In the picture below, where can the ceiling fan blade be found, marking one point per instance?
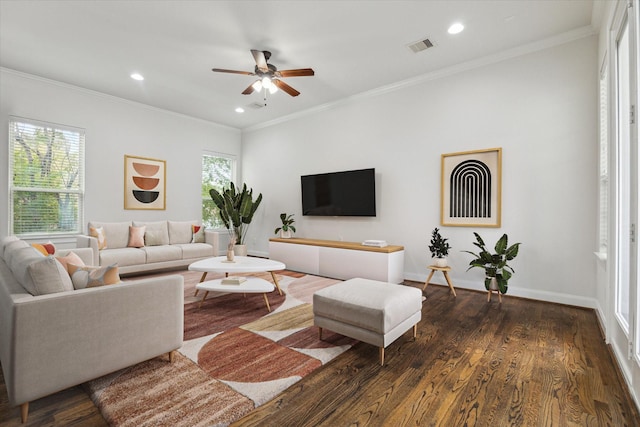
(300, 72)
(261, 61)
(222, 70)
(249, 90)
(285, 87)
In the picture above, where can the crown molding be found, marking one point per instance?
(570, 36)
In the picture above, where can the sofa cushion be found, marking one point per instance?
(123, 256)
(47, 276)
(45, 249)
(87, 276)
(180, 231)
(156, 233)
(18, 260)
(136, 237)
(6, 240)
(70, 258)
(162, 253)
(116, 233)
(11, 248)
(196, 250)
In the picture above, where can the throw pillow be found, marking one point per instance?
(136, 237)
(70, 258)
(45, 248)
(48, 277)
(89, 276)
(98, 233)
(198, 234)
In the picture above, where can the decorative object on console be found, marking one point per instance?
(287, 226)
(144, 183)
(376, 243)
(439, 248)
(497, 271)
(236, 209)
(471, 188)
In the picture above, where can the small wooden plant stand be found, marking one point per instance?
(489, 292)
(445, 272)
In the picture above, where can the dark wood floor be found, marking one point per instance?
(519, 363)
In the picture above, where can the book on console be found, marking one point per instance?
(376, 243)
(233, 280)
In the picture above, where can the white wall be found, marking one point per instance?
(115, 127)
(541, 108)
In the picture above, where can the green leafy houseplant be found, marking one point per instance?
(236, 209)
(287, 223)
(439, 247)
(495, 264)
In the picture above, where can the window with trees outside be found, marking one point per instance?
(218, 171)
(46, 178)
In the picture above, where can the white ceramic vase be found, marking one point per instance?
(285, 234)
(493, 286)
(440, 262)
(240, 250)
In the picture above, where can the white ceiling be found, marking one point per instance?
(353, 46)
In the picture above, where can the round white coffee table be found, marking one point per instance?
(240, 264)
(252, 285)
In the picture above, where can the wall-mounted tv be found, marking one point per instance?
(348, 193)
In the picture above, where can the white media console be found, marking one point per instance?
(339, 260)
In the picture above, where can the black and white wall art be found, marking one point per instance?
(471, 188)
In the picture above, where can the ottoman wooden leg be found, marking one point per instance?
(24, 412)
(381, 356)
(320, 334)
(415, 330)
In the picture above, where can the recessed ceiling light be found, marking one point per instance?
(137, 76)
(239, 110)
(455, 28)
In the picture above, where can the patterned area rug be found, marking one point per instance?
(236, 356)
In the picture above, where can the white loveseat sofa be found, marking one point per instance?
(53, 337)
(167, 244)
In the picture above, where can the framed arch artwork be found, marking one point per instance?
(471, 189)
(144, 183)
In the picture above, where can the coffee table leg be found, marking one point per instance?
(203, 298)
(275, 282)
(266, 300)
(204, 275)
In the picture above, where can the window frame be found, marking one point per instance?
(79, 191)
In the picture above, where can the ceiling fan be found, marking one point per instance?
(269, 75)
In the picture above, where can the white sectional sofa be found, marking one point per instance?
(53, 336)
(167, 244)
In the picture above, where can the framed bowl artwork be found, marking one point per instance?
(144, 183)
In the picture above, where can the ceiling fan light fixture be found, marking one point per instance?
(273, 89)
(257, 86)
(266, 83)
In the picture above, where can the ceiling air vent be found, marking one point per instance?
(256, 105)
(420, 46)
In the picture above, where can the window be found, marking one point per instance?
(46, 178)
(603, 235)
(218, 171)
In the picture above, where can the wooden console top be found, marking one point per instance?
(338, 244)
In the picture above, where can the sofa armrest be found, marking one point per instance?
(211, 237)
(83, 241)
(64, 339)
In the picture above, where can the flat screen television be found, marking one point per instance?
(347, 193)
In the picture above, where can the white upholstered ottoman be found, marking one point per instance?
(367, 310)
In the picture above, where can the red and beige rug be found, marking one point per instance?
(236, 356)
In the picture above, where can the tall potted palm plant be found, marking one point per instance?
(236, 209)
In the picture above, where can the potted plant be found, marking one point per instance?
(497, 271)
(236, 209)
(287, 226)
(439, 248)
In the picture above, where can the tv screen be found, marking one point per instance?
(348, 193)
